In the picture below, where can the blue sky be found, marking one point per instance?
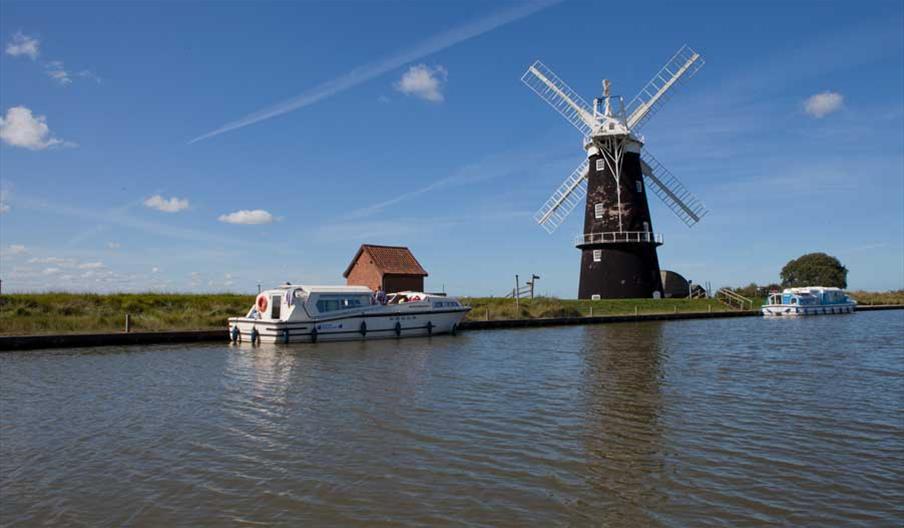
(406, 123)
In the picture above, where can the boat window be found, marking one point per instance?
(332, 303)
(276, 303)
(793, 300)
(445, 304)
(806, 298)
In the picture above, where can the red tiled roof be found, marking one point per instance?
(389, 259)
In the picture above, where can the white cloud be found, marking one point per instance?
(22, 129)
(173, 205)
(257, 216)
(424, 82)
(23, 45)
(823, 104)
(88, 74)
(57, 72)
(91, 265)
(17, 249)
(52, 271)
(52, 260)
(155, 269)
(113, 245)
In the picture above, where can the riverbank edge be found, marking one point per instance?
(35, 342)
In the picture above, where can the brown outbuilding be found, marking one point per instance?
(390, 268)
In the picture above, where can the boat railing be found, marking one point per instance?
(616, 237)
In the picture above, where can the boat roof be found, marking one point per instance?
(811, 289)
(314, 288)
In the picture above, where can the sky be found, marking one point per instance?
(215, 146)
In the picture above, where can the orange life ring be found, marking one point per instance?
(262, 303)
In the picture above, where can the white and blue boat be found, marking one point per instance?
(812, 300)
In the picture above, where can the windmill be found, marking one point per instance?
(618, 245)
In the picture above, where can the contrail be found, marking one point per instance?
(367, 72)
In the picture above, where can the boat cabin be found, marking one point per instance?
(810, 296)
(296, 302)
(300, 302)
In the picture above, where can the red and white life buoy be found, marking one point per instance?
(262, 303)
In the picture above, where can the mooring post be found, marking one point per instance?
(709, 308)
(591, 309)
(676, 310)
(517, 293)
(488, 313)
(128, 323)
(635, 310)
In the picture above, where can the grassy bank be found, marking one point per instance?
(498, 308)
(64, 313)
(869, 298)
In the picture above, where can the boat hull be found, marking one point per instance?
(357, 327)
(791, 310)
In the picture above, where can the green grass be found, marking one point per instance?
(540, 307)
(66, 313)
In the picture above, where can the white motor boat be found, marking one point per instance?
(296, 313)
(812, 300)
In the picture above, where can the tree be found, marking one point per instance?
(814, 269)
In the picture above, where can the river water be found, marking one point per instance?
(725, 422)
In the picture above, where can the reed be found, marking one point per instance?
(63, 313)
(869, 298)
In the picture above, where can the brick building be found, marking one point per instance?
(390, 268)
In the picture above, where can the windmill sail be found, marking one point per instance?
(564, 200)
(682, 66)
(671, 191)
(560, 96)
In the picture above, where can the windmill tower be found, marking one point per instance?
(618, 245)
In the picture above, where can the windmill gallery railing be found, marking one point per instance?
(615, 237)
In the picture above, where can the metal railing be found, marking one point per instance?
(734, 300)
(615, 237)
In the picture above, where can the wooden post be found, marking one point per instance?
(591, 309)
(635, 310)
(128, 323)
(676, 309)
(488, 313)
(709, 308)
(517, 293)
